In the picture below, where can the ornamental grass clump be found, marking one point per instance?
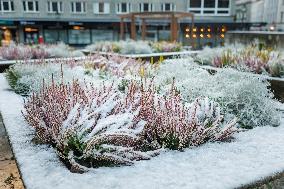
(100, 126)
(225, 59)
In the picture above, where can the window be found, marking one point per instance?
(210, 7)
(30, 6)
(282, 17)
(123, 8)
(78, 7)
(195, 3)
(168, 7)
(223, 3)
(54, 7)
(6, 6)
(101, 8)
(146, 7)
(209, 3)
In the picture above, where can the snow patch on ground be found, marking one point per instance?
(253, 155)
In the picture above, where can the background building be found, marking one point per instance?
(260, 14)
(88, 21)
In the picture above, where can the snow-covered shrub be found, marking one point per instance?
(177, 126)
(59, 50)
(253, 58)
(30, 75)
(135, 47)
(164, 46)
(26, 52)
(47, 110)
(240, 94)
(13, 77)
(16, 52)
(39, 52)
(225, 59)
(87, 125)
(276, 68)
(100, 126)
(104, 46)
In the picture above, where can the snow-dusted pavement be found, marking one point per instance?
(253, 155)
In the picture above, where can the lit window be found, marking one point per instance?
(54, 7)
(30, 6)
(101, 8)
(6, 5)
(78, 7)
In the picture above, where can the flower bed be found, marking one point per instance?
(112, 111)
(135, 47)
(253, 155)
(255, 58)
(26, 52)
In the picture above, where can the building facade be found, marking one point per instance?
(261, 14)
(88, 21)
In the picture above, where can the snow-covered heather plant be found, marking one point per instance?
(239, 94)
(89, 126)
(26, 52)
(164, 46)
(16, 52)
(177, 125)
(100, 126)
(46, 110)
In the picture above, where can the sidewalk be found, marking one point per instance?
(9, 174)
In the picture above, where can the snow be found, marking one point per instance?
(251, 156)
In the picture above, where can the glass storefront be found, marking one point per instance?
(79, 36)
(7, 35)
(55, 36)
(102, 35)
(31, 35)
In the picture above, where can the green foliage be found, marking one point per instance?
(22, 89)
(116, 48)
(123, 85)
(74, 144)
(170, 141)
(12, 77)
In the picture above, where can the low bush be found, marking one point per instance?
(240, 94)
(92, 127)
